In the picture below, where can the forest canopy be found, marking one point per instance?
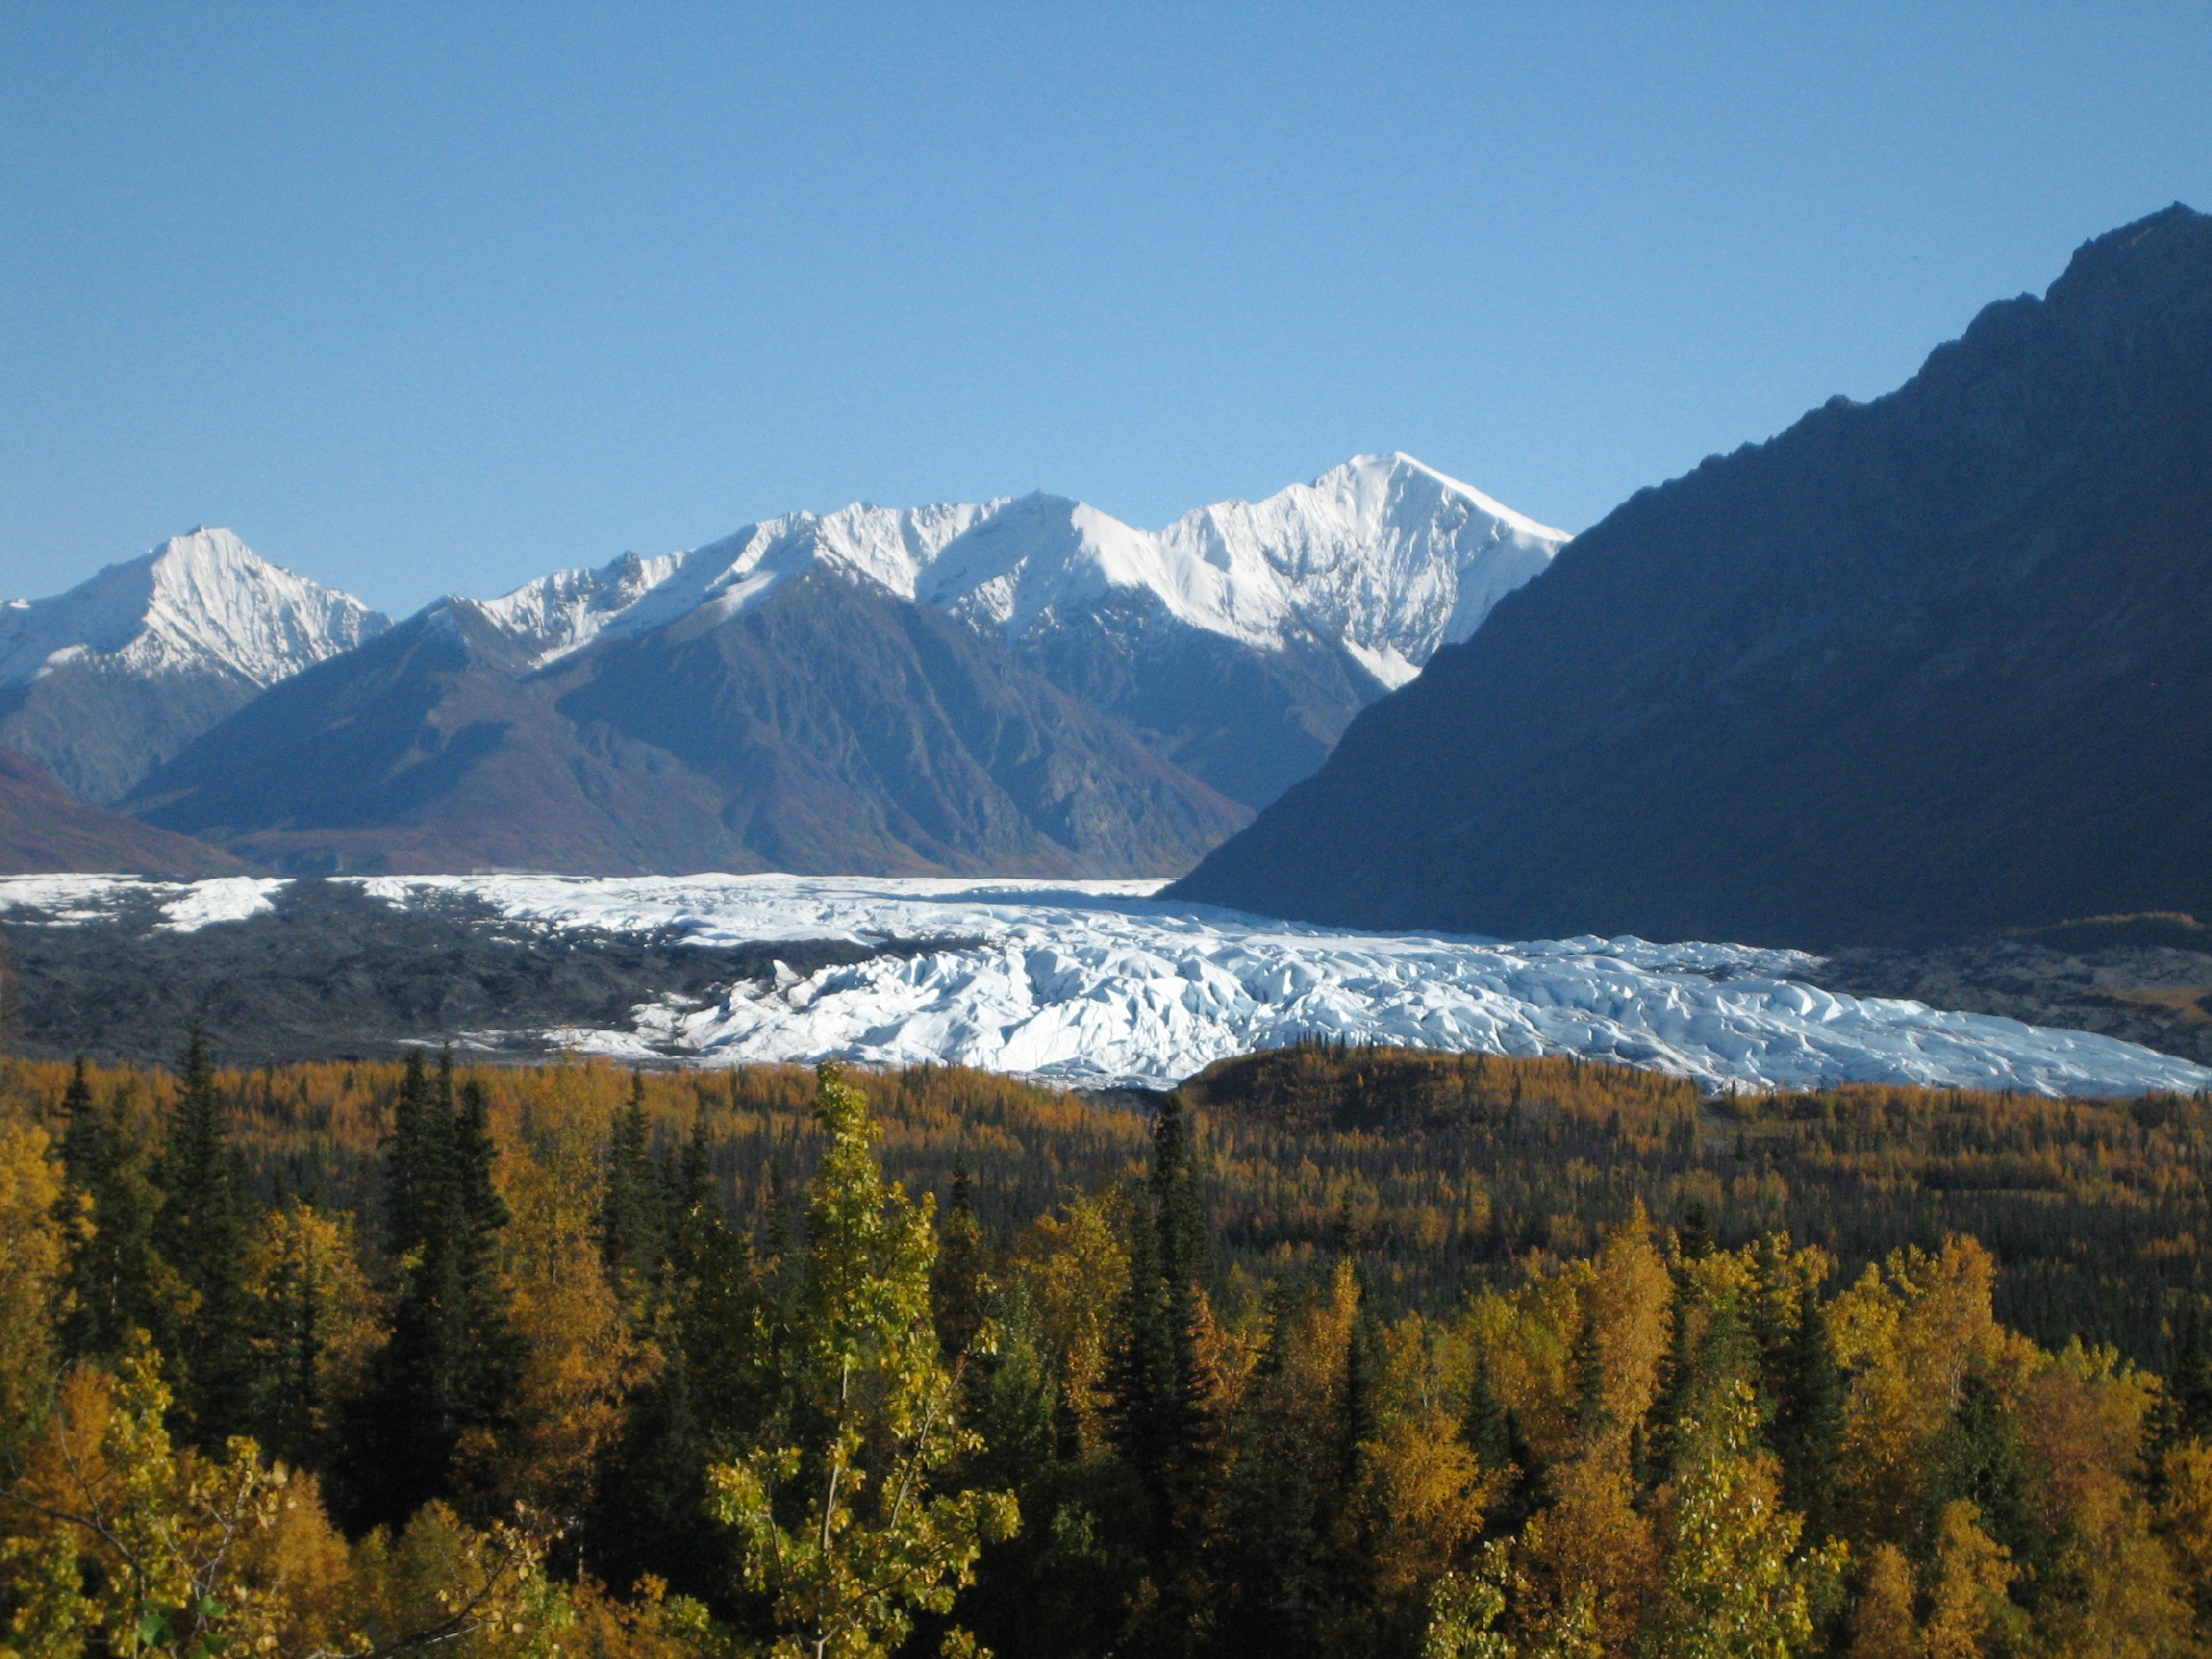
(1333, 1351)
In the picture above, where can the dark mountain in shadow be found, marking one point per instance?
(44, 830)
(828, 727)
(1250, 723)
(1937, 664)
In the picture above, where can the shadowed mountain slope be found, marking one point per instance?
(1934, 664)
(826, 727)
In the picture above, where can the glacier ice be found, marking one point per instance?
(1106, 983)
(1102, 982)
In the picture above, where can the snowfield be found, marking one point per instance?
(1100, 982)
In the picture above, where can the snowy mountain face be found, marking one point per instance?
(1384, 554)
(201, 603)
(104, 683)
(1239, 642)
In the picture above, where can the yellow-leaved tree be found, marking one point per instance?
(31, 1266)
(844, 1527)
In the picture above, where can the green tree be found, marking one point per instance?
(710, 1324)
(961, 1283)
(1809, 1428)
(118, 1282)
(632, 1225)
(1733, 1586)
(201, 1229)
(1271, 1558)
(1161, 1422)
(846, 1529)
(454, 1358)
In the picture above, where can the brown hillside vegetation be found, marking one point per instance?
(43, 829)
(1449, 1169)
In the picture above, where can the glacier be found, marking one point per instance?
(1105, 983)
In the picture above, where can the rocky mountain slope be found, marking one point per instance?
(43, 827)
(104, 683)
(827, 726)
(1239, 642)
(1931, 665)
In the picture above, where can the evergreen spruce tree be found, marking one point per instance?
(1982, 1458)
(1592, 1415)
(1161, 1418)
(961, 1281)
(632, 1228)
(118, 1282)
(454, 1357)
(1809, 1428)
(80, 1146)
(492, 1351)
(709, 1322)
(1695, 1236)
(1271, 1552)
(2189, 1375)
(202, 1232)
(1485, 1421)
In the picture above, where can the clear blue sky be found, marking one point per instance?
(431, 298)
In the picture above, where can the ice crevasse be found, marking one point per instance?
(1101, 982)
(1105, 983)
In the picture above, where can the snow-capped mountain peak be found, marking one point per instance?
(558, 615)
(1383, 555)
(200, 603)
(1390, 556)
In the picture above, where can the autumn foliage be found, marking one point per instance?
(1337, 1351)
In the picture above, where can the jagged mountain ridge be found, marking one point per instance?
(1019, 686)
(101, 683)
(1933, 665)
(1239, 642)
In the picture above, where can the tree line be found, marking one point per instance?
(1333, 1351)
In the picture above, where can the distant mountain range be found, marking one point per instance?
(104, 683)
(1238, 642)
(1934, 664)
(1023, 686)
